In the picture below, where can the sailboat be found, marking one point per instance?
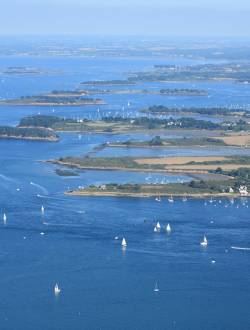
(158, 199)
(168, 228)
(57, 290)
(171, 200)
(184, 199)
(42, 209)
(4, 219)
(204, 242)
(156, 289)
(155, 229)
(158, 226)
(124, 243)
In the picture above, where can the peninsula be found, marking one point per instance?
(234, 186)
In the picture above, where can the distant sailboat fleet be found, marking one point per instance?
(157, 229)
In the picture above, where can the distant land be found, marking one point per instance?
(108, 82)
(22, 70)
(167, 92)
(235, 72)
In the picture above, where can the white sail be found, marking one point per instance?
(168, 228)
(4, 218)
(42, 209)
(156, 289)
(124, 243)
(155, 229)
(204, 242)
(57, 290)
(158, 226)
(171, 200)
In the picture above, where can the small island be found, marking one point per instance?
(67, 173)
(115, 82)
(52, 100)
(167, 92)
(22, 70)
(28, 133)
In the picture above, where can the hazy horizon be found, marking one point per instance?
(135, 18)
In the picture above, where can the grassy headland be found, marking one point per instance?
(195, 188)
(206, 164)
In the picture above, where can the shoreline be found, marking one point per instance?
(51, 104)
(149, 195)
(12, 137)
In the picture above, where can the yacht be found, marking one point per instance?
(204, 242)
(124, 243)
(170, 199)
(57, 290)
(156, 289)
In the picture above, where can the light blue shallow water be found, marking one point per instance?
(103, 286)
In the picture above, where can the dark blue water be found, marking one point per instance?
(104, 286)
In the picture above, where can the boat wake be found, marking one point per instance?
(240, 248)
(43, 189)
(6, 178)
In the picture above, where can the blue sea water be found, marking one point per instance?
(104, 286)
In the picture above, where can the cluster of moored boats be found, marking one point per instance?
(170, 199)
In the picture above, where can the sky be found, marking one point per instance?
(201, 18)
